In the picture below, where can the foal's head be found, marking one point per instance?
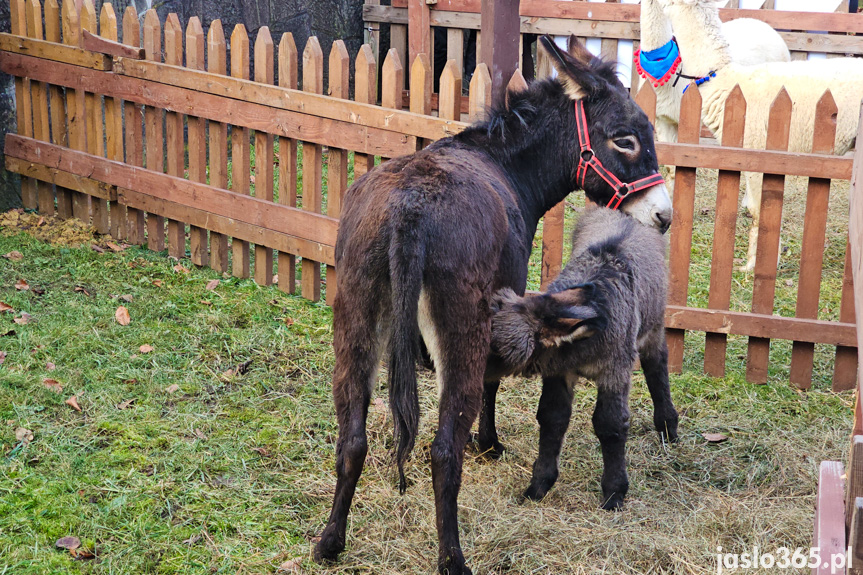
(620, 138)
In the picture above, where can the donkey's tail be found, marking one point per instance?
(407, 262)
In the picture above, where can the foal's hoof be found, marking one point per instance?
(491, 449)
(453, 565)
(330, 545)
(538, 489)
(668, 437)
(614, 502)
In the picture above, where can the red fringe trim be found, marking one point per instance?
(655, 81)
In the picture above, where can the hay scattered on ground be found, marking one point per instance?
(71, 233)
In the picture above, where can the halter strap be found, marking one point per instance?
(588, 160)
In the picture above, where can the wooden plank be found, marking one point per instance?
(450, 92)
(500, 25)
(23, 104)
(392, 79)
(812, 249)
(113, 121)
(50, 175)
(174, 140)
(59, 133)
(829, 517)
(398, 41)
(845, 365)
(855, 232)
(241, 170)
(264, 73)
(724, 227)
(241, 207)
(552, 244)
(95, 123)
(455, 48)
(854, 473)
(75, 111)
(366, 92)
(680, 242)
(769, 225)
(197, 134)
(288, 77)
(646, 100)
(480, 94)
(313, 81)
(855, 539)
(39, 102)
(109, 47)
(337, 159)
(134, 135)
(46, 50)
(421, 82)
(153, 128)
(218, 140)
(760, 325)
(223, 225)
(419, 31)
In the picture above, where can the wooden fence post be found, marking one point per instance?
(812, 248)
(133, 114)
(313, 81)
(153, 128)
(113, 124)
(23, 103)
(419, 30)
(176, 158)
(846, 363)
(724, 227)
(479, 100)
(241, 170)
(767, 252)
(500, 23)
(392, 80)
(39, 101)
(680, 243)
(646, 100)
(337, 173)
(449, 102)
(288, 77)
(95, 124)
(75, 106)
(197, 129)
(218, 139)
(59, 135)
(421, 83)
(264, 74)
(366, 92)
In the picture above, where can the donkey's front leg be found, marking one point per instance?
(611, 425)
(553, 414)
(654, 362)
(487, 438)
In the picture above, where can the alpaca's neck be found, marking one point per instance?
(698, 29)
(655, 26)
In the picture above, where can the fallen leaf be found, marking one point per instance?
(130, 381)
(146, 348)
(738, 260)
(192, 540)
(242, 368)
(127, 298)
(82, 554)
(14, 256)
(80, 289)
(41, 221)
(73, 403)
(262, 451)
(292, 566)
(789, 283)
(212, 284)
(714, 437)
(122, 316)
(114, 247)
(50, 366)
(2, 357)
(68, 542)
(157, 283)
(38, 290)
(125, 404)
(172, 388)
(228, 372)
(200, 434)
(206, 302)
(98, 250)
(5, 307)
(288, 320)
(53, 385)
(24, 319)
(180, 269)
(22, 285)
(276, 279)
(252, 179)
(24, 435)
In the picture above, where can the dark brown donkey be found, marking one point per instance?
(425, 240)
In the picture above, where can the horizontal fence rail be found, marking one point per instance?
(165, 141)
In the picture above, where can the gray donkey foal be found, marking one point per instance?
(606, 308)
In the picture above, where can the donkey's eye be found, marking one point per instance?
(627, 143)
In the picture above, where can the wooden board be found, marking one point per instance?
(829, 536)
(313, 81)
(288, 78)
(337, 158)
(55, 52)
(264, 73)
(197, 135)
(174, 134)
(153, 131)
(240, 150)
(134, 135)
(218, 140)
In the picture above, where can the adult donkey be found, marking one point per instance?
(426, 239)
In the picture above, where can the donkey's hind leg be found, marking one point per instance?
(357, 350)
(487, 438)
(611, 425)
(654, 362)
(553, 415)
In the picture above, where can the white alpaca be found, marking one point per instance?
(751, 42)
(705, 50)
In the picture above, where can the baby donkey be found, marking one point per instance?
(606, 308)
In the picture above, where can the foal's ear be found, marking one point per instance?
(569, 316)
(573, 67)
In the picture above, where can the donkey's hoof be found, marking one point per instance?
(453, 565)
(537, 490)
(491, 449)
(613, 502)
(330, 545)
(668, 437)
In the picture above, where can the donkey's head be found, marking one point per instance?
(612, 139)
(523, 327)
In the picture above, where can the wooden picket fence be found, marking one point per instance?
(136, 137)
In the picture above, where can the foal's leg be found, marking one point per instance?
(611, 425)
(654, 362)
(553, 414)
(357, 352)
(464, 328)
(487, 431)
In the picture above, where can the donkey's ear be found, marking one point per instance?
(578, 50)
(569, 315)
(574, 73)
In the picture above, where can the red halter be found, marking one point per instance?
(588, 159)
